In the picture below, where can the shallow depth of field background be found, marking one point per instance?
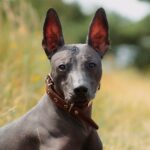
(121, 107)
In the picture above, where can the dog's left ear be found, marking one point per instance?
(52, 33)
(98, 37)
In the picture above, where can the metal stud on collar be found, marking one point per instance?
(76, 112)
(66, 106)
(55, 99)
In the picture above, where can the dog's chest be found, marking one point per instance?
(62, 143)
(61, 132)
(69, 141)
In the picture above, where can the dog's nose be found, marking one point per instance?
(81, 90)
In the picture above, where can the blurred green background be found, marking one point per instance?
(121, 107)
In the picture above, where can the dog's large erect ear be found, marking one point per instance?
(98, 37)
(52, 33)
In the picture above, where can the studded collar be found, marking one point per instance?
(73, 110)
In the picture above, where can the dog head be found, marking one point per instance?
(76, 68)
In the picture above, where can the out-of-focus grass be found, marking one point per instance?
(23, 68)
(121, 107)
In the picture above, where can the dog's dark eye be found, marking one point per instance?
(92, 65)
(62, 67)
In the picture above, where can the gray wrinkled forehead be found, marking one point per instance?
(77, 51)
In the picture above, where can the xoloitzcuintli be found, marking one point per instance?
(76, 72)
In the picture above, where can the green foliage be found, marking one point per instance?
(145, 0)
(27, 17)
(123, 31)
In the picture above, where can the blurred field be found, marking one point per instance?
(121, 108)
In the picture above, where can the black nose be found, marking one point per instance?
(81, 90)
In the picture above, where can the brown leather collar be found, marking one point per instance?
(74, 110)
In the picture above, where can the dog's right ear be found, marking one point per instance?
(52, 33)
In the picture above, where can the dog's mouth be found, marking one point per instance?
(81, 102)
(79, 99)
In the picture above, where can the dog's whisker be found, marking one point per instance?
(90, 103)
(71, 105)
(38, 134)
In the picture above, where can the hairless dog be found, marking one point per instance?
(62, 118)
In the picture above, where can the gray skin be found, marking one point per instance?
(76, 72)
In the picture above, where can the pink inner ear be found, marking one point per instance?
(98, 35)
(52, 28)
(98, 28)
(52, 34)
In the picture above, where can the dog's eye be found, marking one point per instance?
(62, 67)
(92, 65)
